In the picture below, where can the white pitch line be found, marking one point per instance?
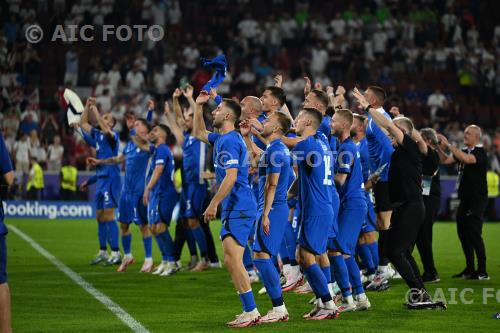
(118, 311)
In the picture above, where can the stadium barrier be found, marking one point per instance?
(51, 198)
(49, 209)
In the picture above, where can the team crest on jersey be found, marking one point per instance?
(138, 149)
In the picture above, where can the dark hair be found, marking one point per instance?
(145, 123)
(234, 107)
(278, 93)
(315, 114)
(284, 121)
(322, 96)
(379, 92)
(330, 111)
(165, 129)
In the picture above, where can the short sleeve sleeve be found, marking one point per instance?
(345, 159)
(212, 137)
(275, 161)
(228, 156)
(162, 155)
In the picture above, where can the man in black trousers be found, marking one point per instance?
(431, 193)
(405, 191)
(473, 195)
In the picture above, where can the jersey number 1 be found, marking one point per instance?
(328, 170)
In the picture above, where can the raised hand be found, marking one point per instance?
(166, 109)
(329, 90)
(443, 141)
(188, 91)
(213, 93)
(245, 128)
(361, 99)
(278, 80)
(307, 88)
(90, 102)
(340, 91)
(151, 105)
(202, 98)
(177, 93)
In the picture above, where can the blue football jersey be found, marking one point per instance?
(366, 162)
(161, 155)
(194, 154)
(106, 148)
(348, 162)
(230, 152)
(314, 160)
(276, 159)
(136, 164)
(324, 127)
(379, 146)
(5, 167)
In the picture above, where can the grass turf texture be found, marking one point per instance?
(46, 300)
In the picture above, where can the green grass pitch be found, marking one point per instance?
(46, 300)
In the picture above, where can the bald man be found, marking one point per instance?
(473, 195)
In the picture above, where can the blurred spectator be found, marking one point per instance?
(436, 101)
(69, 179)
(55, 154)
(50, 128)
(71, 74)
(22, 154)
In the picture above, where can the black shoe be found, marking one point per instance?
(430, 278)
(465, 274)
(426, 306)
(419, 299)
(479, 276)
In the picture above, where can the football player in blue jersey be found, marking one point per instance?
(313, 160)
(239, 208)
(352, 213)
(7, 174)
(131, 208)
(367, 245)
(108, 181)
(380, 151)
(274, 179)
(194, 187)
(160, 195)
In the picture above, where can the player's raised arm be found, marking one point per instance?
(105, 128)
(84, 119)
(379, 118)
(177, 106)
(422, 146)
(142, 143)
(172, 124)
(199, 129)
(255, 152)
